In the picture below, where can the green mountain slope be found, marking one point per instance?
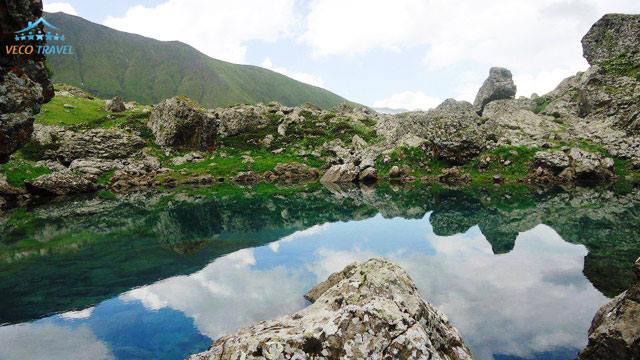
(108, 62)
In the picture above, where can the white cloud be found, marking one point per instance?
(300, 76)
(49, 341)
(532, 38)
(53, 7)
(219, 28)
(409, 100)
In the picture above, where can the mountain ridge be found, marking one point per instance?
(109, 62)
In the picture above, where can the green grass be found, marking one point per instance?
(621, 66)
(541, 104)
(89, 113)
(18, 170)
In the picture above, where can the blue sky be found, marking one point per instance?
(408, 54)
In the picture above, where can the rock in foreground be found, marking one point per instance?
(367, 311)
(615, 330)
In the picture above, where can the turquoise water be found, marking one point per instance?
(148, 277)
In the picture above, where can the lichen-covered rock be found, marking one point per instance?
(613, 38)
(66, 146)
(368, 175)
(575, 165)
(342, 173)
(615, 329)
(24, 82)
(115, 105)
(178, 123)
(513, 122)
(238, 119)
(246, 178)
(61, 183)
(370, 310)
(499, 85)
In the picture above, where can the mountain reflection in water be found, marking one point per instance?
(160, 276)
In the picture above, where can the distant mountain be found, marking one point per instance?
(108, 62)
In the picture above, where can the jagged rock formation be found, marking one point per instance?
(615, 330)
(613, 38)
(24, 83)
(573, 165)
(177, 123)
(368, 310)
(499, 85)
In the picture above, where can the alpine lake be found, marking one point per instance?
(162, 274)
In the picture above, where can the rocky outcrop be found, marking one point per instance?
(368, 310)
(236, 120)
(342, 173)
(57, 143)
(294, 171)
(115, 105)
(499, 85)
(613, 38)
(61, 183)
(24, 83)
(573, 165)
(178, 123)
(615, 330)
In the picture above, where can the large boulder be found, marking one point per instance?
(499, 85)
(115, 105)
(370, 310)
(615, 329)
(179, 123)
(61, 183)
(613, 38)
(57, 143)
(24, 81)
(342, 173)
(575, 165)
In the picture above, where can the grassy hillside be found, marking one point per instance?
(108, 62)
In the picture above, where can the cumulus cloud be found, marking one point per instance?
(219, 28)
(64, 7)
(300, 76)
(538, 40)
(408, 100)
(48, 341)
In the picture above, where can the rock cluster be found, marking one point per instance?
(24, 83)
(615, 330)
(573, 165)
(368, 310)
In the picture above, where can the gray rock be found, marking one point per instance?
(499, 85)
(370, 310)
(397, 172)
(556, 161)
(115, 105)
(178, 123)
(588, 167)
(236, 120)
(615, 329)
(66, 145)
(187, 158)
(343, 173)
(368, 175)
(613, 38)
(246, 178)
(295, 171)
(61, 183)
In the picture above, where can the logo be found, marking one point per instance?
(39, 38)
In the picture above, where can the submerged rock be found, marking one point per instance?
(615, 330)
(368, 310)
(499, 85)
(613, 38)
(178, 123)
